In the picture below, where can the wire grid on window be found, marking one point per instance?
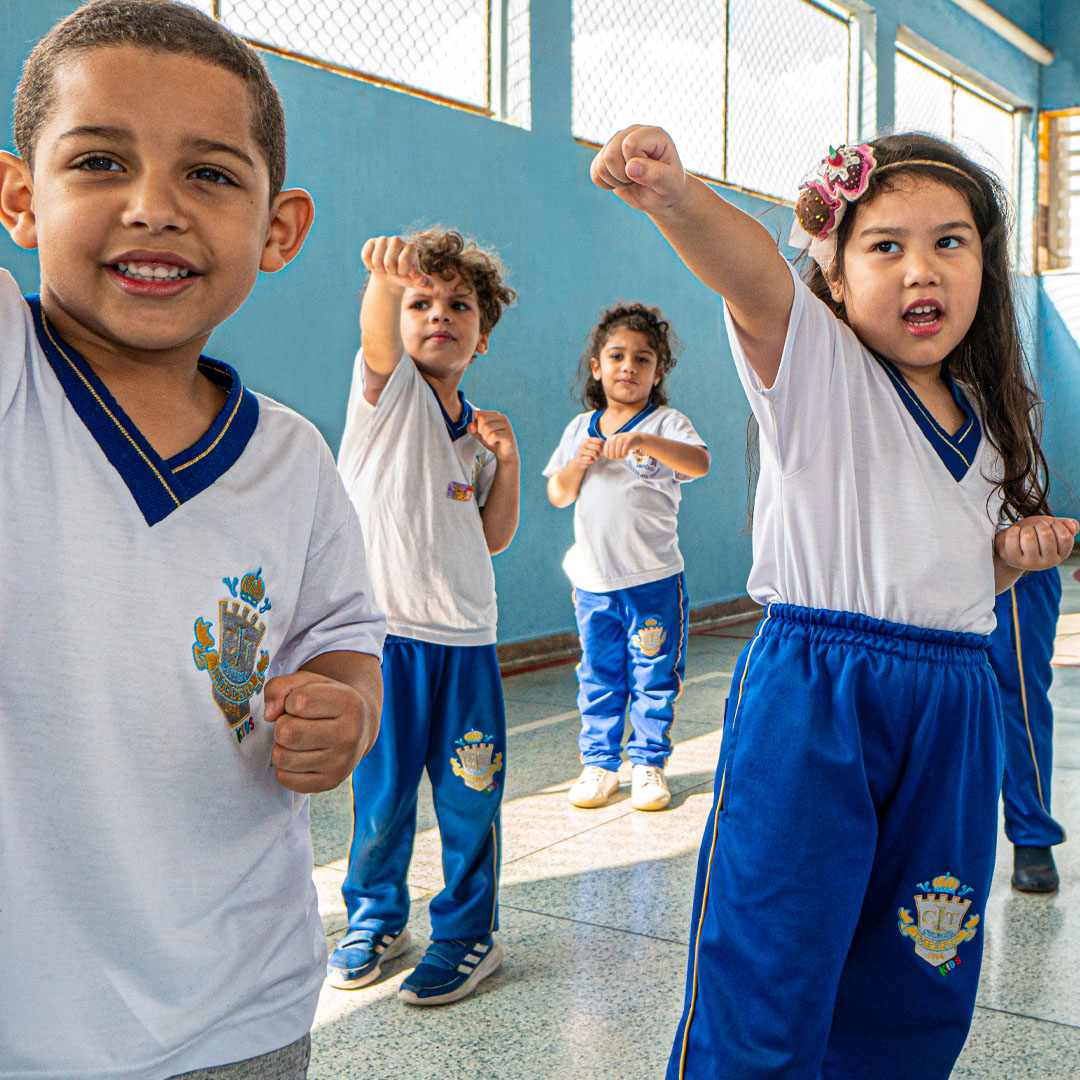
(1061, 240)
(933, 101)
(437, 46)
(752, 91)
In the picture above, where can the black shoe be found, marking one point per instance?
(1034, 870)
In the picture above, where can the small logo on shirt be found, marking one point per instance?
(940, 925)
(474, 763)
(237, 669)
(646, 467)
(459, 492)
(650, 636)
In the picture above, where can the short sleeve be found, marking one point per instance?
(792, 413)
(571, 440)
(335, 609)
(15, 331)
(677, 427)
(486, 477)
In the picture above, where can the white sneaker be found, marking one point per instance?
(648, 788)
(594, 787)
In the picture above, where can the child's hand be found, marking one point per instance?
(642, 167)
(495, 434)
(321, 730)
(394, 261)
(588, 452)
(1036, 543)
(618, 446)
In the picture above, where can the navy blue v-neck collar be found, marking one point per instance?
(594, 421)
(158, 486)
(957, 452)
(455, 428)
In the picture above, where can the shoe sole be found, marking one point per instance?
(395, 948)
(1037, 888)
(592, 804)
(655, 804)
(486, 966)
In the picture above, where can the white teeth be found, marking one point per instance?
(145, 272)
(923, 310)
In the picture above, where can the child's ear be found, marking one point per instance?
(594, 368)
(482, 344)
(291, 215)
(835, 280)
(17, 200)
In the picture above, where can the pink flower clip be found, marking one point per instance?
(839, 179)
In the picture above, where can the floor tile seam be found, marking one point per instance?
(599, 825)
(1028, 1016)
(595, 925)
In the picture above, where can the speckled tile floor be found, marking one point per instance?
(595, 911)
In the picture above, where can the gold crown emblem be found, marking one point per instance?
(946, 883)
(252, 587)
(473, 736)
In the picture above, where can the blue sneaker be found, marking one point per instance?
(355, 962)
(451, 970)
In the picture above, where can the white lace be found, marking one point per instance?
(594, 774)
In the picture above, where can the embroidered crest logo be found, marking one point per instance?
(645, 466)
(474, 763)
(650, 636)
(237, 669)
(939, 927)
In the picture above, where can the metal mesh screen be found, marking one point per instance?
(1059, 239)
(933, 101)
(438, 47)
(724, 78)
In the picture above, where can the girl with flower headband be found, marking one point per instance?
(845, 865)
(622, 464)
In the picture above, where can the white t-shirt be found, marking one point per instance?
(157, 912)
(626, 513)
(864, 504)
(418, 493)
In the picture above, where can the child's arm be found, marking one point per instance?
(1034, 543)
(726, 249)
(563, 487)
(500, 510)
(691, 461)
(394, 266)
(325, 717)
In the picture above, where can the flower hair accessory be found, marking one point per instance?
(823, 199)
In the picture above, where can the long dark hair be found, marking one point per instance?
(649, 321)
(990, 361)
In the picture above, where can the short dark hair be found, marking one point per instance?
(446, 254)
(160, 26)
(646, 320)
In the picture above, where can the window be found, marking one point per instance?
(725, 77)
(1059, 191)
(470, 53)
(930, 98)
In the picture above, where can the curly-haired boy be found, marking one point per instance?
(435, 482)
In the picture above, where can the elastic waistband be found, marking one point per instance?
(850, 628)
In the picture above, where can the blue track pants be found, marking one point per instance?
(442, 710)
(1020, 651)
(845, 867)
(633, 649)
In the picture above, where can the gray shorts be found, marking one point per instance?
(288, 1063)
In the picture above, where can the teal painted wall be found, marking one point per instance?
(380, 161)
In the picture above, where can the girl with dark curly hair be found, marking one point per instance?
(621, 464)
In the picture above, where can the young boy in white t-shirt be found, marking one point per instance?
(190, 643)
(435, 482)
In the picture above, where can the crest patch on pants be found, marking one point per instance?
(940, 925)
(474, 762)
(650, 636)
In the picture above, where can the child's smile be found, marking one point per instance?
(912, 274)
